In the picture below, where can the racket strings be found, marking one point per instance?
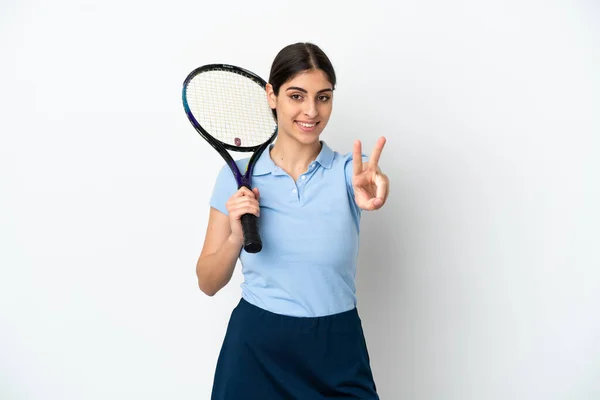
(231, 108)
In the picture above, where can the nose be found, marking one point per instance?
(310, 109)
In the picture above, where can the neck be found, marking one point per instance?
(293, 157)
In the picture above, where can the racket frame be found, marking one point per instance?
(252, 242)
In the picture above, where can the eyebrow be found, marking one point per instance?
(304, 90)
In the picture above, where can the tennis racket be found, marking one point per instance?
(228, 107)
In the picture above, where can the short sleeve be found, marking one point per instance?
(225, 187)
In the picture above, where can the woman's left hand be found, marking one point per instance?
(371, 186)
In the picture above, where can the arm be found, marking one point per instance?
(219, 254)
(224, 240)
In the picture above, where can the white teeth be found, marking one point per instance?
(306, 125)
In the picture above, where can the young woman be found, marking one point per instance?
(295, 333)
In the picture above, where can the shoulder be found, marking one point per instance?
(225, 185)
(225, 180)
(344, 161)
(225, 172)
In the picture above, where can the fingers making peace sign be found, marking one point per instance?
(371, 186)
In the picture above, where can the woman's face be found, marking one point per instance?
(303, 106)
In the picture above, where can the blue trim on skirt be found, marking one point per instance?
(268, 356)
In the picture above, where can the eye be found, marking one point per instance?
(296, 96)
(324, 98)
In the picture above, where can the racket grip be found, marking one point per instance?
(252, 242)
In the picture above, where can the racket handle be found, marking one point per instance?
(252, 242)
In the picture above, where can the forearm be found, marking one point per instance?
(214, 270)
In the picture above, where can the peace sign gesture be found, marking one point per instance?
(371, 186)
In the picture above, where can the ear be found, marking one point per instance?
(271, 97)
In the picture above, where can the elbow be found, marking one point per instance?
(209, 280)
(204, 283)
(208, 290)
(209, 293)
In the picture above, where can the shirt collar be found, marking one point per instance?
(265, 165)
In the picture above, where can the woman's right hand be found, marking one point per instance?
(244, 201)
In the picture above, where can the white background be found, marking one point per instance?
(479, 279)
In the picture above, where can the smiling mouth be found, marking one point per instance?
(306, 124)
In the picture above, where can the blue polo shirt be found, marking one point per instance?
(310, 234)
